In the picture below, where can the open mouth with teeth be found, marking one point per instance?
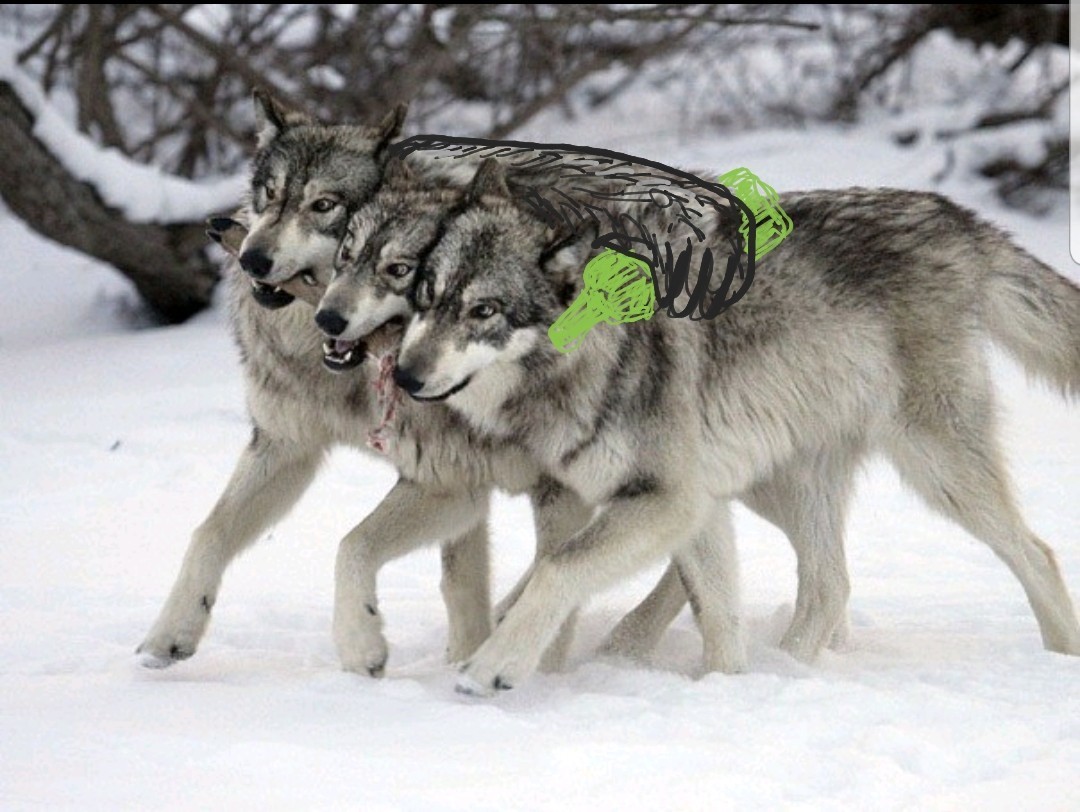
(274, 298)
(340, 354)
(270, 297)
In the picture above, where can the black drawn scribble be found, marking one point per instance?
(670, 219)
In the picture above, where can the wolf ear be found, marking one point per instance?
(271, 119)
(397, 173)
(226, 232)
(490, 179)
(345, 253)
(562, 261)
(390, 127)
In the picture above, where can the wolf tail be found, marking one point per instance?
(1034, 313)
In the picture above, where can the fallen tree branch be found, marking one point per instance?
(168, 264)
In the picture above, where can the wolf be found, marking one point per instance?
(372, 285)
(307, 179)
(832, 354)
(374, 272)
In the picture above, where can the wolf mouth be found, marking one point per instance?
(270, 297)
(340, 354)
(274, 298)
(453, 390)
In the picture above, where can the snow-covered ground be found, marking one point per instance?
(114, 443)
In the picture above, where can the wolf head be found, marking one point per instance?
(488, 291)
(307, 179)
(229, 233)
(375, 269)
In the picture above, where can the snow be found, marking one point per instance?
(143, 193)
(115, 442)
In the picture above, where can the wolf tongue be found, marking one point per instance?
(342, 346)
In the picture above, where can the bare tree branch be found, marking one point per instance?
(62, 18)
(225, 56)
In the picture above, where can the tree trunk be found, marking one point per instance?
(168, 264)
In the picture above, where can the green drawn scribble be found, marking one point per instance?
(618, 290)
(773, 223)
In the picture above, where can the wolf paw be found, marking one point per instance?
(162, 655)
(176, 634)
(371, 663)
(362, 651)
(802, 645)
(471, 687)
(486, 675)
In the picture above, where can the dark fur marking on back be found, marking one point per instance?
(655, 382)
(607, 405)
(636, 487)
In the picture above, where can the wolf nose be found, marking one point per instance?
(405, 379)
(331, 322)
(256, 262)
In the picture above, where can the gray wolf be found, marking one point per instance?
(376, 268)
(864, 332)
(691, 276)
(306, 181)
(375, 273)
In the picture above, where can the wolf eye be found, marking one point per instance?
(323, 205)
(484, 310)
(398, 269)
(270, 193)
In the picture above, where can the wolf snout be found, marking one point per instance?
(255, 262)
(406, 380)
(331, 322)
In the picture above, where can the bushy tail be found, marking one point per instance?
(1034, 313)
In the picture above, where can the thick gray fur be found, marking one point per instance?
(864, 332)
(299, 411)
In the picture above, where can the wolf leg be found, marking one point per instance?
(631, 533)
(709, 571)
(269, 478)
(808, 499)
(950, 457)
(639, 632)
(407, 518)
(466, 576)
(558, 513)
